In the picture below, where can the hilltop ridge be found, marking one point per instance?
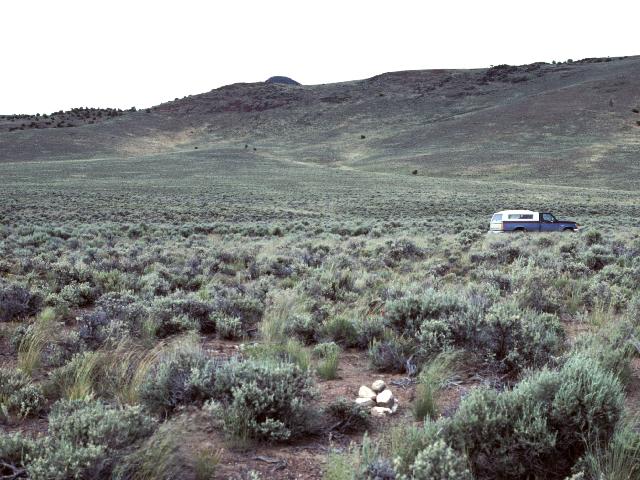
(567, 123)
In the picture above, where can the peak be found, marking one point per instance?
(282, 80)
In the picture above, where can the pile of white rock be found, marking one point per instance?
(379, 398)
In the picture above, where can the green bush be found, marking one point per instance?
(86, 440)
(183, 309)
(264, 400)
(369, 329)
(434, 337)
(438, 461)
(302, 326)
(78, 294)
(592, 237)
(407, 441)
(610, 346)
(179, 377)
(117, 316)
(326, 349)
(597, 257)
(228, 328)
(19, 398)
(547, 419)
(14, 452)
(247, 305)
(391, 354)
(535, 291)
(503, 436)
(586, 406)
(342, 330)
(406, 314)
(84, 422)
(518, 339)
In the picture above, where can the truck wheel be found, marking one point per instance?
(571, 230)
(520, 230)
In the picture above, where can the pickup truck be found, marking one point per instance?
(528, 221)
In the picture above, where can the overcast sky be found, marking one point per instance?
(58, 54)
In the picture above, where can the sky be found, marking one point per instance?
(71, 53)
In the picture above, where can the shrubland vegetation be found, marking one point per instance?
(112, 291)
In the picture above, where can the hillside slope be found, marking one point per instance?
(569, 124)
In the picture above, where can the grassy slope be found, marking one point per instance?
(557, 124)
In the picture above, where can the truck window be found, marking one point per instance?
(520, 216)
(547, 217)
(496, 217)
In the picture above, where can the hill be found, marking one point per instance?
(561, 124)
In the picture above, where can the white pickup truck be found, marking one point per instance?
(528, 221)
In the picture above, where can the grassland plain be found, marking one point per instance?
(156, 270)
(172, 312)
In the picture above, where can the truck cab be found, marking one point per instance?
(529, 221)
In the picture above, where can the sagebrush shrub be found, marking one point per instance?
(78, 294)
(438, 461)
(228, 328)
(193, 312)
(391, 354)
(83, 422)
(611, 347)
(17, 302)
(86, 440)
(434, 337)
(519, 338)
(368, 329)
(592, 237)
(116, 316)
(547, 419)
(326, 349)
(14, 452)
(246, 304)
(342, 330)
(179, 377)
(265, 399)
(586, 406)
(402, 249)
(302, 326)
(407, 314)
(597, 257)
(19, 397)
(536, 292)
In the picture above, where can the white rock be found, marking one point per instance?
(378, 386)
(394, 409)
(385, 398)
(366, 392)
(365, 402)
(380, 411)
